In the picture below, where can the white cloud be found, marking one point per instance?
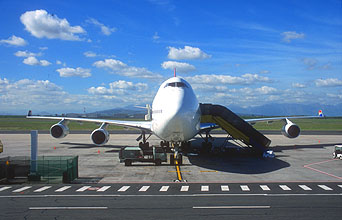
(180, 67)
(104, 29)
(26, 54)
(310, 63)
(288, 36)
(226, 79)
(42, 24)
(266, 90)
(298, 85)
(188, 53)
(89, 54)
(120, 87)
(14, 41)
(120, 68)
(42, 95)
(156, 36)
(70, 72)
(33, 61)
(330, 82)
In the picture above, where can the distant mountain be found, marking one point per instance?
(128, 111)
(277, 109)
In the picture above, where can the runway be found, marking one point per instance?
(177, 200)
(302, 182)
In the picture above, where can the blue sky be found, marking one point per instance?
(62, 56)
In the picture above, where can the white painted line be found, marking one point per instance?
(4, 188)
(265, 187)
(204, 188)
(103, 188)
(305, 187)
(42, 189)
(224, 188)
(244, 188)
(284, 187)
(164, 188)
(21, 189)
(55, 208)
(184, 188)
(231, 207)
(82, 189)
(123, 189)
(325, 187)
(144, 188)
(62, 189)
(340, 186)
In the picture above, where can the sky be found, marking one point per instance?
(67, 56)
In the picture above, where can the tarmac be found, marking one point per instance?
(307, 158)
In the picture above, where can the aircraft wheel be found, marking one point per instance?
(128, 162)
(172, 159)
(180, 159)
(158, 162)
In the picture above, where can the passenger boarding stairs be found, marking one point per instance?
(235, 126)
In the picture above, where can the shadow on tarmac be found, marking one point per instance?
(298, 147)
(233, 159)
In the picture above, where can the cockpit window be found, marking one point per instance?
(176, 84)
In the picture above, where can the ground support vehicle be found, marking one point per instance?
(156, 155)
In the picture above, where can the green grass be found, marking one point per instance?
(320, 124)
(20, 123)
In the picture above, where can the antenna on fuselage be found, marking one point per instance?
(174, 74)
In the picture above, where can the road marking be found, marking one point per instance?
(103, 188)
(325, 187)
(204, 188)
(244, 188)
(284, 187)
(124, 189)
(42, 189)
(164, 188)
(55, 208)
(82, 189)
(184, 188)
(231, 207)
(144, 188)
(340, 186)
(305, 187)
(265, 187)
(21, 189)
(320, 171)
(224, 188)
(4, 188)
(62, 189)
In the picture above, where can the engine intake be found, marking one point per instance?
(290, 129)
(59, 130)
(100, 136)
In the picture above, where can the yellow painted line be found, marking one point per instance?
(179, 175)
(182, 171)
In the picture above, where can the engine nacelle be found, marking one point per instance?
(99, 136)
(59, 130)
(290, 129)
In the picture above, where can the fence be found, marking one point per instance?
(52, 169)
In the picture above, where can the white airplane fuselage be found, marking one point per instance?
(175, 111)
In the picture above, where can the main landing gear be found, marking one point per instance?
(206, 144)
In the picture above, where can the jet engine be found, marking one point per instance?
(100, 136)
(59, 130)
(290, 129)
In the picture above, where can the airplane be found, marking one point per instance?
(175, 118)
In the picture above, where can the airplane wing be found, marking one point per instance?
(254, 120)
(210, 126)
(142, 125)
